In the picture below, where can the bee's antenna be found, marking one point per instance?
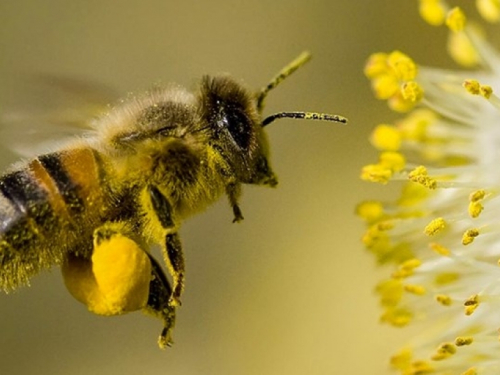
(305, 116)
(285, 72)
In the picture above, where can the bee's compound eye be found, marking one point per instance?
(238, 125)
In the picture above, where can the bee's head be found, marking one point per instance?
(233, 116)
(229, 113)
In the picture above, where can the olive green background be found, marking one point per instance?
(289, 290)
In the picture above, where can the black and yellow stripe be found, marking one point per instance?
(46, 209)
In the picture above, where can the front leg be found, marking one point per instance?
(171, 248)
(233, 191)
(158, 304)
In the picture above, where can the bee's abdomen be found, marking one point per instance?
(44, 210)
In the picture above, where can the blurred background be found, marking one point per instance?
(289, 290)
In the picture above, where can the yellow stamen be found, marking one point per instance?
(407, 268)
(376, 173)
(432, 11)
(470, 371)
(412, 194)
(472, 86)
(471, 304)
(475, 88)
(444, 299)
(399, 104)
(477, 195)
(486, 91)
(440, 249)
(419, 175)
(402, 360)
(489, 9)
(411, 263)
(455, 19)
(397, 317)
(435, 226)
(392, 160)
(469, 236)
(464, 340)
(419, 290)
(412, 91)
(444, 351)
(390, 291)
(385, 86)
(402, 65)
(462, 50)
(414, 126)
(376, 65)
(420, 368)
(475, 209)
(446, 278)
(370, 211)
(375, 238)
(386, 137)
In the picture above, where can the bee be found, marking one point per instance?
(97, 206)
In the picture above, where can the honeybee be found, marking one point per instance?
(97, 206)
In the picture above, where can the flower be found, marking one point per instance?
(442, 235)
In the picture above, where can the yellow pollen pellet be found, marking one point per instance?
(386, 137)
(444, 299)
(455, 19)
(489, 9)
(419, 175)
(432, 11)
(435, 226)
(471, 304)
(403, 66)
(464, 340)
(418, 290)
(412, 91)
(469, 236)
(440, 249)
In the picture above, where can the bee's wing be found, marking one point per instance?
(53, 110)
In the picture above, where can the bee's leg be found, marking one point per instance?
(117, 237)
(172, 248)
(158, 304)
(233, 191)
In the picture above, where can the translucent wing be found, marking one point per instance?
(53, 110)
